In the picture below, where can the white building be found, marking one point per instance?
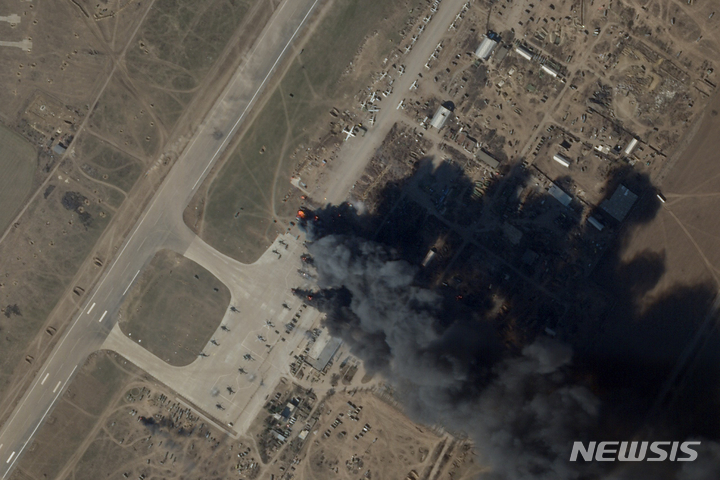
(428, 258)
(561, 160)
(602, 149)
(524, 52)
(486, 48)
(550, 71)
(440, 117)
(595, 223)
(631, 146)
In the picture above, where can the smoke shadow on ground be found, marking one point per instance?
(450, 294)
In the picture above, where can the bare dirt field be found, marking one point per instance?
(353, 434)
(39, 259)
(111, 53)
(174, 308)
(176, 47)
(116, 422)
(173, 51)
(243, 206)
(18, 161)
(672, 262)
(686, 232)
(108, 165)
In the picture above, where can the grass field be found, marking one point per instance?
(174, 308)
(256, 176)
(17, 165)
(126, 120)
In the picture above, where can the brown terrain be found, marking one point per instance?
(111, 92)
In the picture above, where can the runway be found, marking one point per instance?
(160, 226)
(263, 286)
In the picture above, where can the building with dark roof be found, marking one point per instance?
(620, 203)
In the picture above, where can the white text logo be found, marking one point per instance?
(634, 451)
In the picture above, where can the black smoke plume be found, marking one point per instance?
(448, 371)
(445, 348)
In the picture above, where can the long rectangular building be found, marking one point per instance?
(487, 159)
(595, 223)
(561, 160)
(549, 70)
(631, 146)
(559, 195)
(524, 52)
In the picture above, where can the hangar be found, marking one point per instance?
(440, 117)
(487, 159)
(524, 52)
(620, 203)
(487, 46)
(562, 160)
(327, 353)
(559, 195)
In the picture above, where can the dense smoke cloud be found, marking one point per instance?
(457, 357)
(522, 412)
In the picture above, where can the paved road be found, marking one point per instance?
(160, 226)
(361, 150)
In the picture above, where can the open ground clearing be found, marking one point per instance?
(67, 60)
(38, 260)
(52, 90)
(115, 420)
(106, 164)
(174, 308)
(166, 66)
(176, 47)
(240, 209)
(18, 161)
(685, 232)
(126, 120)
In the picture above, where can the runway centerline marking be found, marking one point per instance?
(11, 457)
(57, 386)
(46, 377)
(102, 316)
(131, 282)
(90, 309)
